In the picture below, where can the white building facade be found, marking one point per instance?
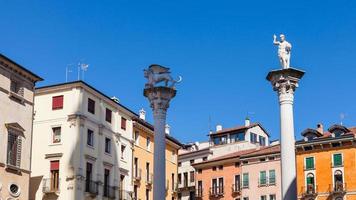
(82, 145)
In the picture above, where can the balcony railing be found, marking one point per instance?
(338, 188)
(109, 192)
(50, 185)
(310, 191)
(236, 189)
(149, 179)
(137, 174)
(92, 187)
(217, 191)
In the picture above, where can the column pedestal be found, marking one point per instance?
(285, 82)
(159, 98)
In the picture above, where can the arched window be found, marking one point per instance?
(338, 177)
(310, 183)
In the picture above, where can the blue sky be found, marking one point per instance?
(223, 50)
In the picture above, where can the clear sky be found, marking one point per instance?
(223, 50)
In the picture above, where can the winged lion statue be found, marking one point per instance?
(157, 74)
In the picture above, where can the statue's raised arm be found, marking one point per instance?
(284, 50)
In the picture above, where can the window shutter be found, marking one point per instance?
(18, 151)
(337, 159)
(123, 123)
(57, 102)
(55, 165)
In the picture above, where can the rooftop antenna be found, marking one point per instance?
(82, 67)
(342, 117)
(249, 114)
(209, 124)
(68, 70)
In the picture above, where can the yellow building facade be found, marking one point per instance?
(326, 164)
(143, 162)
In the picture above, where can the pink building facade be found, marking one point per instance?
(261, 174)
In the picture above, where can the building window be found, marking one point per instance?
(245, 180)
(263, 178)
(217, 186)
(123, 123)
(56, 134)
(310, 184)
(192, 176)
(89, 172)
(54, 175)
(272, 197)
(338, 181)
(148, 143)
(107, 145)
(179, 178)
(91, 106)
(16, 88)
(191, 162)
(123, 147)
(173, 182)
(147, 194)
(214, 168)
(200, 189)
(137, 135)
(14, 146)
(221, 167)
(237, 164)
(309, 163)
(272, 177)
(205, 158)
(200, 171)
(235, 137)
(253, 138)
(236, 186)
(245, 198)
(220, 140)
(262, 140)
(57, 102)
(90, 138)
(106, 182)
(263, 197)
(337, 160)
(179, 164)
(108, 115)
(185, 176)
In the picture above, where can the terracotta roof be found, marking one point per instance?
(264, 151)
(227, 156)
(351, 129)
(238, 128)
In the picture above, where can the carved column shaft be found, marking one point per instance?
(159, 98)
(284, 82)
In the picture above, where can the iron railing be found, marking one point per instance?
(216, 191)
(310, 191)
(92, 187)
(236, 188)
(109, 192)
(50, 185)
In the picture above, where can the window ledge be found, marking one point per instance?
(17, 97)
(55, 144)
(90, 147)
(13, 168)
(108, 154)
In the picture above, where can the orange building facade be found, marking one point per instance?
(326, 164)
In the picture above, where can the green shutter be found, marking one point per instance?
(245, 180)
(337, 159)
(272, 176)
(262, 177)
(310, 163)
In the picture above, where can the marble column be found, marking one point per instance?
(159, 98)
(285, 82)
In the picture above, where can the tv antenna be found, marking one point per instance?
(68, 70)
(342, 117)
(82, 67)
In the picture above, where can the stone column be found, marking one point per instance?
(285, 82)
(159, 98)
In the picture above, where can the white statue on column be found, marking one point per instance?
(284, 50)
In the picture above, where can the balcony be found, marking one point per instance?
(175, 189)
(50, 186)
(310, 191)
(236, 189)
(199, 194)
(92, 187)
(339, 189)
(149, 180)
(109, 192)
(216, 192)
(137, 175)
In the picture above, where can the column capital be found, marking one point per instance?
(285, 81)
(159, 97)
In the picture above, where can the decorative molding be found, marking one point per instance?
(53, 155)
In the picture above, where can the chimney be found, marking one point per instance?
(142, 114)
(247, 121)
(167, 129)
(320, 128)
(218, 127)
